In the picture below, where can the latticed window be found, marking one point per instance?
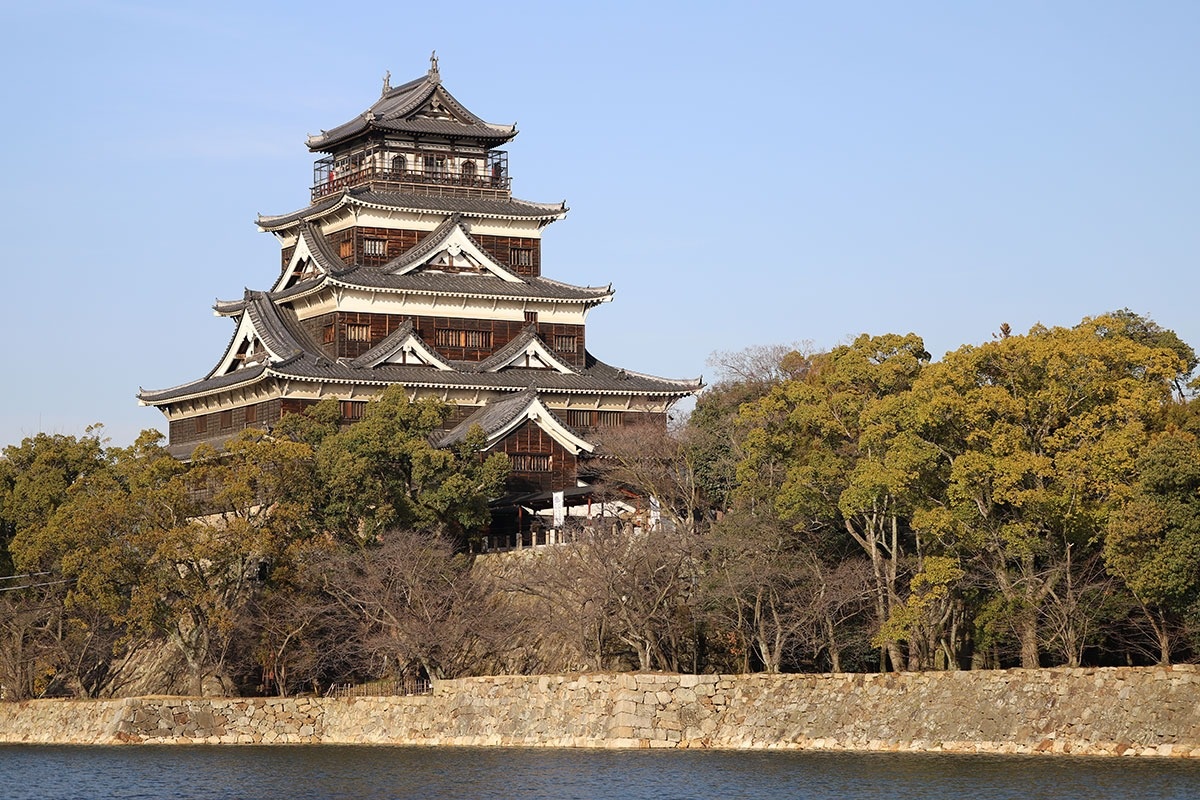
(374, 247)
(579, 419)
(520, 257)
(358, 333)
(453, 337)
(530, 462)
(608, 419)
(353, 409)
(566, 342)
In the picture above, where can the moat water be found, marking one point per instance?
(398, 773)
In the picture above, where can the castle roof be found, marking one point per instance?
(365, 197)
(421, 107)
(499, 418)
(288, 352)
(416, 272)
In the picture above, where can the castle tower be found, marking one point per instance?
(414, 265)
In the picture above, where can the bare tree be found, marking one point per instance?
(768, 586)
(420, 606)
(620, 597)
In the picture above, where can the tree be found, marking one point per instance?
(655, 462)
(767, 584)
(712, 433)
(619, 597)
(1036, 437)
(1153, 541)
(69, 534)
(420, 606)
(810, 453)
(35, 477)
(383, 472)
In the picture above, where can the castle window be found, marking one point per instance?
(530, 317)
(251, 413)
(579, 419)
(530, 462)
(375, 247)
(201, 425)
(566, 343)
(352, 409)
(346, 249)
(468, 170)
(358, 333)
(226, 420)
(520, 257)
(399, 164)
(452, 337)
(327, 334)
(434, 165)
(608, 419)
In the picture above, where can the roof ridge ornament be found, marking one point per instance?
(434, 75)
(387, 84)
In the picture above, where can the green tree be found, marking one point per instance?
(1037, 437)
(90, 546)
(35, 477)
(812, 451)
(1153, 541)
(383, 472)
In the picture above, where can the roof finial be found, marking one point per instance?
(433, 67)
(387, 81)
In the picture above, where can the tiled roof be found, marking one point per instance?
(152, 397)
(321, 249)
(490, 418)
(426, 246)
(396, 111)
(391, 343)
(501, 416)
(514, 348)
(430, 282)
(470, 285)
(506, 207)
(595, 378)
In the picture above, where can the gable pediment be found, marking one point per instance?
(303, 265)
(436, 107)
(536, 413)
(246, 349)
(530, 354)
(454, 253)
(405, 348)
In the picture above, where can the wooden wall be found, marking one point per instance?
(398, 242)
(502, 332)
(530, 440)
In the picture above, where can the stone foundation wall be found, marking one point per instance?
(1133, 711)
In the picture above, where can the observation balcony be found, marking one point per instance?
(439, 175)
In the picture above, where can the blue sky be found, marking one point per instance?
(744, 173)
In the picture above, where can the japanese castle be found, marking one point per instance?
(413, 264)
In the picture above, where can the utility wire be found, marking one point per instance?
(22, 575)
(35, 585)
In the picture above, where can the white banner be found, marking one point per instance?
(560, 511)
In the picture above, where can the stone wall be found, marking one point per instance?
(1133, 711)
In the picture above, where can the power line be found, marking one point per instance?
(35, 585)
(22, 575)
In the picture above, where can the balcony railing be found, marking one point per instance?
(444, 184)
